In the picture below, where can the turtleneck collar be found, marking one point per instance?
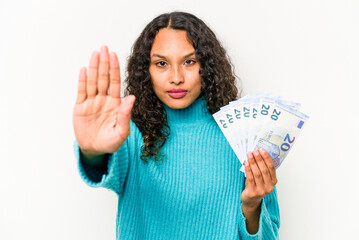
(195, 112)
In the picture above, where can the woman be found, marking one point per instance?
(160, 149)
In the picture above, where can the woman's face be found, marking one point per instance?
(174, 69)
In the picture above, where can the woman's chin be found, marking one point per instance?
(178, 103)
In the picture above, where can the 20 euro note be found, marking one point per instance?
(279, 134)
(268, 110)
(225, 126)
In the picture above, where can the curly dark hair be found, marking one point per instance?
(217, 84)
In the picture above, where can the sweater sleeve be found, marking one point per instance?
(111, 176)
(269, 220)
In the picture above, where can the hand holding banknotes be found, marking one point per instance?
(261, 129)
(261, 179)
(101, 121)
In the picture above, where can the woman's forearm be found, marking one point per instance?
(252, 215)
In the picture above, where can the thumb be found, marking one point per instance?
(124, 111)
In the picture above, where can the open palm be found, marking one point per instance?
(101, 121)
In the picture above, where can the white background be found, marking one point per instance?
(306, 51)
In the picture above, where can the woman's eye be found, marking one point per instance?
(190, 62)
(161, 64)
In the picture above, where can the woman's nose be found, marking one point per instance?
(176, 75)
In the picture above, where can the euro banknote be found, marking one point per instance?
(261, 121)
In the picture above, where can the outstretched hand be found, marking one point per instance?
(101, 120)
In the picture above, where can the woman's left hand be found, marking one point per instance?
(261, 179)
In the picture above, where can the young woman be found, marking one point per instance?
(161, 150)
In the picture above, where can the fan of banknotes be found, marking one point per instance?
(261, 121)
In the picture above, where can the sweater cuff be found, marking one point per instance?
(92, 176)
(111, 176)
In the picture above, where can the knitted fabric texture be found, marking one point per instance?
(194, 193)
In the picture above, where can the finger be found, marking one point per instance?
(263, 168)
(258, 178)
(250, 178)
(81, 91)
(92, 75)
(270, 165)
(115, 77)
(124, 111)
(103, 78)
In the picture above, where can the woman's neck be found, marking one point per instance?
(195, 112)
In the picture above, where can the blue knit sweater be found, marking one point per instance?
(193, 194)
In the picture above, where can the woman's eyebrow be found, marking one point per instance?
(189, 55)
(163, 57)
(157, 55)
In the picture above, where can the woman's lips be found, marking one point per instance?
(177, 93)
